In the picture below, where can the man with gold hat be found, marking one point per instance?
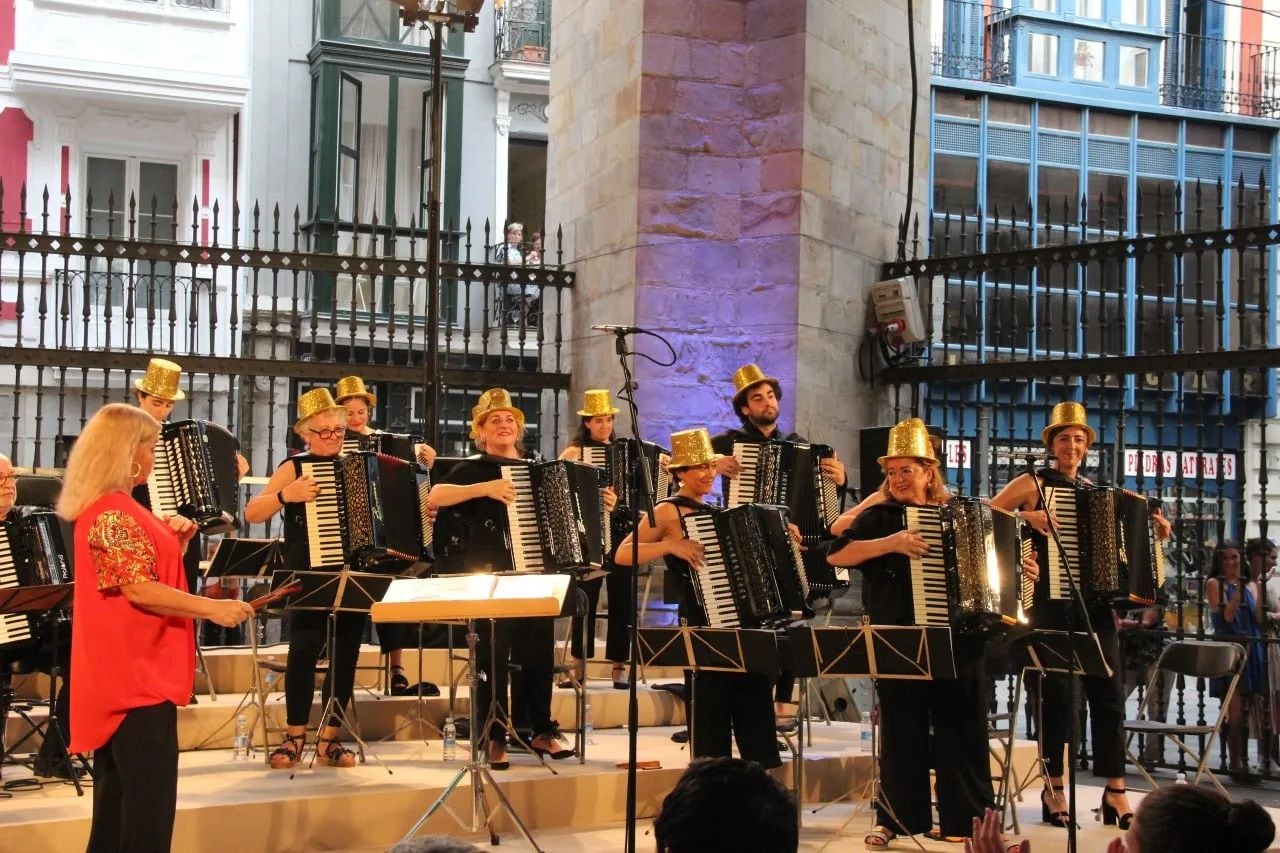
(724, 706)
(1068, 437)
(321, 425)
(756, 401)
(470, 535)
(596, 430)
(880, 545)
(359, 402)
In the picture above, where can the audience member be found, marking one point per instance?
(727, 804)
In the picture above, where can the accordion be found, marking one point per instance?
(971, 577)
(1109, 539)
(788, 473)
(752, 574)
(621, 460)
(32, 553)
(370, 508)
(387, 443)
(556, 522)
(195, 475)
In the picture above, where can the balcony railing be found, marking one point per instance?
(1220, 75)
(974, 42)
(522, 30)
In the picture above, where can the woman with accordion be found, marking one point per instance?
(321, 424)
(471, 535)
(879, 543)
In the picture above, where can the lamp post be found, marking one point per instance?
(440, 16)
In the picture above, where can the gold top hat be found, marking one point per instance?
(1065, 415)
(161, 380)
(353, 386)
(909, 438)
(747, 376)
(493, 400)
(317, 401)
(691, 447)
(596, 402)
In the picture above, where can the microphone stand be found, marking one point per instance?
(639, 487)
(1073, 730)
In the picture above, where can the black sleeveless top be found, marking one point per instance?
(688, 609)
(297, 558)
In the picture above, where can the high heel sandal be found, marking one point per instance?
(550, 741)
(287, 752)
(576, 675)
(1052, 818)
(399, 682)
(621, 678)
(335, 754)
(878, 838)
(497, 754)
(1109, 814)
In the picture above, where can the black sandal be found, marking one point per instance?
(1109, 814)
(399, 683)
(335, 754)
(555, 754)
(1059, 818)
(289, 752)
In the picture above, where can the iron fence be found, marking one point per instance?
(259, 306)
(522, 30)
(1161, 322)
(1220, 75)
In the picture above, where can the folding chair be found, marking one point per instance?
(1193, 659)
(1002, 727)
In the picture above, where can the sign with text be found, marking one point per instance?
(1172, 464)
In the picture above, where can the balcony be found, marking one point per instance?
(975, 42)
(522, 31)
(1219, 75)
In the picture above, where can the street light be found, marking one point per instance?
(439, 15)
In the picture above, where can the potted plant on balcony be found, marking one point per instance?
(533, 53)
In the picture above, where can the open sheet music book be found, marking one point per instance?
(472, 597)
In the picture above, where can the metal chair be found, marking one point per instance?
(1002, 727)
(1189, 659)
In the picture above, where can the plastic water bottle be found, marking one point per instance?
(269, 677)
(864, 733)
(589, 729)
(240, 741)
(1182, 778)
(449, 741)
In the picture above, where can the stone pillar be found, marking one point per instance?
(730, 173)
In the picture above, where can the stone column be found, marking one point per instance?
(730, 173)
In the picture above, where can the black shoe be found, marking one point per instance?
(681, 736)
(399, 684)
(192, 700)
(1110, 816)
(57, 770)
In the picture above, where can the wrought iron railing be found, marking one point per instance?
(974, 42)
(255, 311)
(522, 30)
(1220, 75)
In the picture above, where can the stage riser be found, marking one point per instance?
(232, 670)
(211, 724)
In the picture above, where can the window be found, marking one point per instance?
(1133, 12)
(1089, 8)
(957, 104)
(110, 184)
(1044, 5)
(1133, 66)
(1044, 54)
(1088, 61)
(955, 183)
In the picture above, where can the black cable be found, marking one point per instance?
(911, 138)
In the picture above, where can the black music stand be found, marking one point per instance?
(246, 558)
(343, 591)
(417, 716)
(734, 650)
(32, 600)
(897, 652)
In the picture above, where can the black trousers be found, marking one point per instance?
(308, 631)
(135, 783)
(957, 711)
(737, 705)
(617, 638)
(1106, 714)
(530, 644)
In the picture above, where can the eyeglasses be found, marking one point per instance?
(326, 434)
(8, 479)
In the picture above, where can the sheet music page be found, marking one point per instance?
(532, 586)
(454, 588)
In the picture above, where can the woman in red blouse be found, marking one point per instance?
(133, 650)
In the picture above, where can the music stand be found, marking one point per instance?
(416, 715)
(342, 591)
(466, 598)
(29, 601)
(246, 558)
(896, 652)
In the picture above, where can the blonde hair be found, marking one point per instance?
(102, 459)
(519, 442)
(935, 493)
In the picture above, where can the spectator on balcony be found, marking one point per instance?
(521, 295)
(510, 251)
(534, 256)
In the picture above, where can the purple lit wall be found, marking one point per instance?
(718, 258)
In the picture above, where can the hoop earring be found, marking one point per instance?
(137, 469)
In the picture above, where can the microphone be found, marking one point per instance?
(617, 330)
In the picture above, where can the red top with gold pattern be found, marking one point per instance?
(123, 656)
